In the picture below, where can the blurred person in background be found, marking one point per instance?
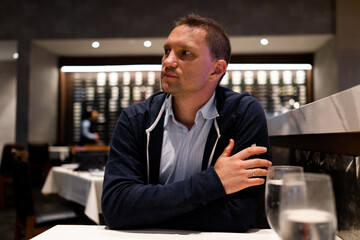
(88, 127)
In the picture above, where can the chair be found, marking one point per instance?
(90, 156)
(6, 169)
(33, 217)
(39, 161)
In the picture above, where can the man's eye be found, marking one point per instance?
(166, 51)
(186, 53)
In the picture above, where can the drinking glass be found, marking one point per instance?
(307, 207)
(272, 192)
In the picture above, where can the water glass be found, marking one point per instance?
(272, 192)
(307, 207)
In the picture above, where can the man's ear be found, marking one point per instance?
(219, 70)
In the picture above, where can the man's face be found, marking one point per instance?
(94, 116)
(186, 64)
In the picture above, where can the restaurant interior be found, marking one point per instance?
(61, 58)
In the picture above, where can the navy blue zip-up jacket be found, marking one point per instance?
(132, 196)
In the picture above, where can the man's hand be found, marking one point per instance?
(237, 173)
(96, 137)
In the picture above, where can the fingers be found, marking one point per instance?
(257, 172)
(250, 151)
(255, 181)
(254, 177)
(256, 163)
(228, 149)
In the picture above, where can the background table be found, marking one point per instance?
(76, 232)
(81, 187)
(59, 153)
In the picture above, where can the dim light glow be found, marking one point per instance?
(147, 43)
(264, 42)
(157, 67)
(15, 55)
(269, 66)
(113, 68)
(95, 44)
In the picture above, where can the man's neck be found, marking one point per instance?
(185, 109)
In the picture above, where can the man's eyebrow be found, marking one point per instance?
(167, 45)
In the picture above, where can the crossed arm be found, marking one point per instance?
(221, 198)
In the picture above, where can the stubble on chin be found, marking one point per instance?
(167, 89)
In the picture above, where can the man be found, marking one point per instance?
(177, 160)
(88, 134)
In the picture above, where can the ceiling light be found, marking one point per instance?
(95, 44)
(15, 55)
(147, 43)
(264, 41)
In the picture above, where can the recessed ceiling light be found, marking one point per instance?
(95, 44)
(15, 55)
(264, 41)
(147, 43)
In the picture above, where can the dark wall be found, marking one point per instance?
(348, 43)
(139, 18)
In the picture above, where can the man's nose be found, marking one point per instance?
(170, 60)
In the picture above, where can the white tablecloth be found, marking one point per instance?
(81, 187)
(78, 232)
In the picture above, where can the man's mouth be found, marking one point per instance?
(169, 75)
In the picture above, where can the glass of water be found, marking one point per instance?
(272, 192)
(307, 207)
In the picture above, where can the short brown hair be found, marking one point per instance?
(216, 38)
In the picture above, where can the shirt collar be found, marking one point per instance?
(208, 111)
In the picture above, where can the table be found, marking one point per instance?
(84, 188)
(59, 153)
(77, 232)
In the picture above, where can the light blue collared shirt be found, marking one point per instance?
(183, 149)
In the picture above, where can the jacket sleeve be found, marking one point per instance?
(199, 203)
